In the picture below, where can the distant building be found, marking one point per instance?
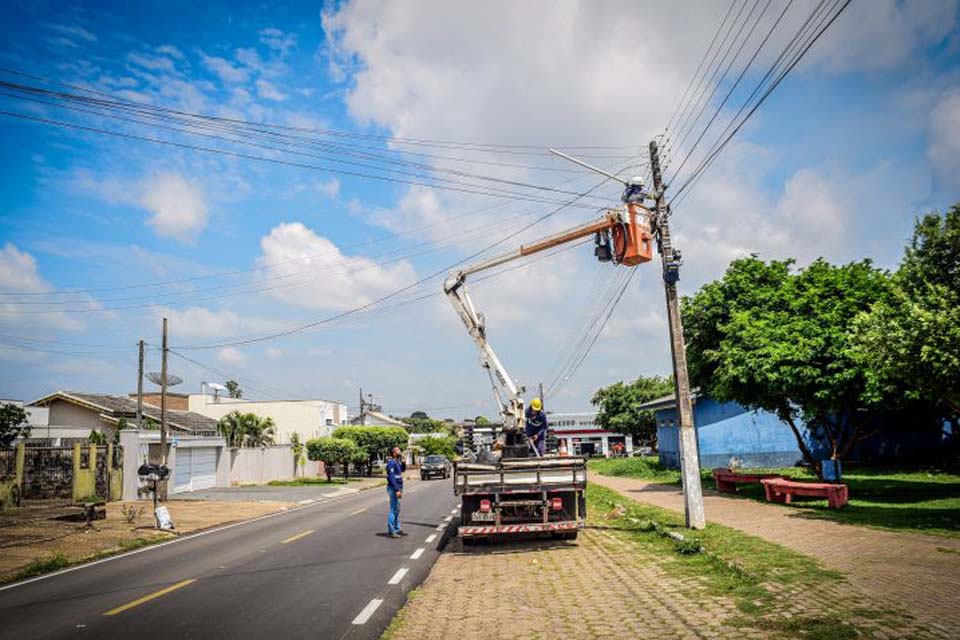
(308, 418)
(583, 436)
(376, 419)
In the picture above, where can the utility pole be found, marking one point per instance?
(689, 456)
(140, 389)
(163, 397)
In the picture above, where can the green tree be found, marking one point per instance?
(619, 406)
(297, 449)
(439, 446)
(784, 343)
(332, 451)
(911, 341)
(97, 437)
(233, 388)
(481, 421)
(231, 428)
(13, 424)
(419, 415)
(376, 442)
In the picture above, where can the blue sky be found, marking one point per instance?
(102, 236)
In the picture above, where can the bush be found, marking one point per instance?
(375, 442)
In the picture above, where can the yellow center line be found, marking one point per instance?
(296, 537)
(353, 513)
(147, 598)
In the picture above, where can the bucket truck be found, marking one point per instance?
(513, 490)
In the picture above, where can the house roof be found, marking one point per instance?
(668, 402)
(378, 417)
(122, 407)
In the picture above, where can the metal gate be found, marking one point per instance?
(48, 473)
(102, 474)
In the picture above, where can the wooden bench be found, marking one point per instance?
(727, 479)
(782, 490)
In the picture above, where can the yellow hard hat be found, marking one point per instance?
(536, 404)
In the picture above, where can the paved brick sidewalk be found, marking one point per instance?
(916, 572)
(598, 587)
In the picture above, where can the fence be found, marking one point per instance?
(60, 473)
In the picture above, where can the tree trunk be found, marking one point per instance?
(814, 464)
(328, 469)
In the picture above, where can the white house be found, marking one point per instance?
(308, 418)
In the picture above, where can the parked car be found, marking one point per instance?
(434, 467)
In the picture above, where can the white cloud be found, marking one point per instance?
(75, 31)
(943, 150)
(179, 207)
(883, 34)
(329, 188)
(309, 270)
(170, 50)
(151, 62)
(278, 40)
(231, 356)
(225, 70)
(273, 353)
(19, 274)
(266, 89)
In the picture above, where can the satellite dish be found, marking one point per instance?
(156, 378)
(216, 386)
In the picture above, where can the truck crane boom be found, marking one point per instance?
(632, 245)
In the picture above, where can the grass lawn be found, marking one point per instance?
(303, 482)
(739, 566)
(917, 500)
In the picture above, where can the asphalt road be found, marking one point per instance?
(326, 570)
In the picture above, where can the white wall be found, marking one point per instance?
(256, 466)
(305, 417)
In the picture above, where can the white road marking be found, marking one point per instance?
(448, 519)
(416, 554)
(307, 501)
(398, 576)
(441, 526)
(453, 510)
(368, 610)
(431, 538)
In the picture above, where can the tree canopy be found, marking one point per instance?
(13, 424)
(441, 446)
(333, 451)
(911, 341)
(233, 388)
(784, 342)
(619, 406)
(375, 442)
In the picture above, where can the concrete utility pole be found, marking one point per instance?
(689, 456)
(140, 389)
(163, 397)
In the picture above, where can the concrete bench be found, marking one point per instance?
(727, 479)
(783, 490)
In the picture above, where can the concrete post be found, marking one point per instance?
(130, 441)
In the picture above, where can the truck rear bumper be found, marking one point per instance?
(532, 527)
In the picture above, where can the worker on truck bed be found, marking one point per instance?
(536, 428)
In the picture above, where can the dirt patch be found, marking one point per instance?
(35, 534)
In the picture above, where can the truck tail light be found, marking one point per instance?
(484, 506)
(556, 504)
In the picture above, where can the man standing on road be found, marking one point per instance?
(395, 492)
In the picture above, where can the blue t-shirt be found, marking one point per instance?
(395, 474)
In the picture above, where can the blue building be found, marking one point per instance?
(728, 434)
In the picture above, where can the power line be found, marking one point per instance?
(722, 144)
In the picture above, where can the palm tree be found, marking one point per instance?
(231, 427)
(257, 431)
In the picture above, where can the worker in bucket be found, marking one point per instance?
(395, 468)
(536, 428)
